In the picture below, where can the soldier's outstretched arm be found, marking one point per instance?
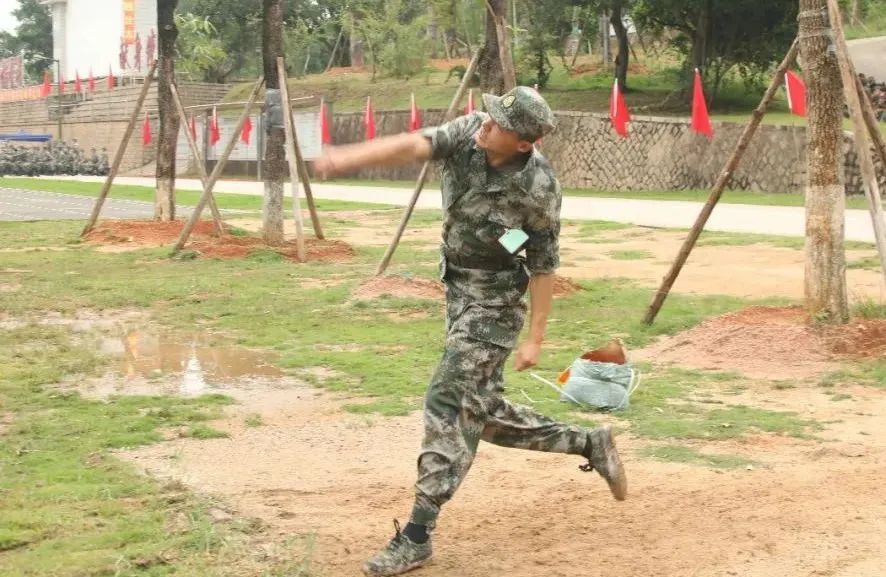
(394, 150)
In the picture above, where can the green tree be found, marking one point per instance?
(199, 49)
(719, 36)
(397, 38)
(33, 37)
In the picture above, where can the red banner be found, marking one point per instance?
(12, 73)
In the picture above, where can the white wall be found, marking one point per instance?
(94, 29)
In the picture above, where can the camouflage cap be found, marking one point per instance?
(521, 110)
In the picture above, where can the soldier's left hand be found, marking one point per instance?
(527, 356)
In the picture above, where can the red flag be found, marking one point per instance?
(214, 132)
(701, 122)
(796, 90)
(469, 107)
(618, 111)
(78, 88)
(193, 128)
(61, 83)
(146, 130)
(369, 119)
(110, 78)
(325, 137)
(47, 88)
(414, 116)
(90, 84)
(247, 129)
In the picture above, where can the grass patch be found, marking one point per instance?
(681, 454)
(253, 420)
(596, 227)
(867, 263)
(868, 308)
(67, 507)
(630, 255)
(202, 431)
(870, 373)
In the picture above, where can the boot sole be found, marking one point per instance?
(416, 565)
(617, 480)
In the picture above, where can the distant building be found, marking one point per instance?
(99, 34)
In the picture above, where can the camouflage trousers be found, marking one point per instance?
(464, 401)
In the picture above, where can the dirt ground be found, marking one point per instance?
(809, 507)
(115, 235)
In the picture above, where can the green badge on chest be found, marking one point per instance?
(513, 240)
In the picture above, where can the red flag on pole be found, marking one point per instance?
(618, 111)
(469, 107)
(61, 83)
(78, 87)
(796, 90)
(193, 127)
(90, 84)
(214, 132)
(369, 119)
(110, 78)
(414, 116)
(146, 130)
(325, 137)
(247, 129)
(47, 88)
(701, 122)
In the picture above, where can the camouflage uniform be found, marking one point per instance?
(48, 159)
(485, 286)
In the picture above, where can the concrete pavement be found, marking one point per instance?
(26, 205)
(869, 56)
(741, 218)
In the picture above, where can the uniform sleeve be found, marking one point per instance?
(447, 138)
(543, 228)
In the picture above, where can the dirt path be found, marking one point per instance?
(812, 508)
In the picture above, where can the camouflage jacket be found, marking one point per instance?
(479, 204)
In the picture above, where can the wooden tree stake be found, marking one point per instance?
(121, 150)
(423, 175)
(720, 185)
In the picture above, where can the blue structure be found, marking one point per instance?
(26, 137)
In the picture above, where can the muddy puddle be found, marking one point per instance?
(146, 362)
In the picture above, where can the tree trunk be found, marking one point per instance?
(855, 13)
(275, 153)
(702, 34)
(490, 66)
(825, 284)
(433, 31)
(164, 197)
(357, 60)
(605, 48)
(623, 58)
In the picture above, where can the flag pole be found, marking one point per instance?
(720, 185)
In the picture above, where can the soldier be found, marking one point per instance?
(501, 224)
(103, 167)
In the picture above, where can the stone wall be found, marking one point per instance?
(661, 154)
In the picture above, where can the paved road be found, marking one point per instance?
(869, 55)
(18, 204)
(775, 220)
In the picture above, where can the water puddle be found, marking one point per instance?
(157, 363)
